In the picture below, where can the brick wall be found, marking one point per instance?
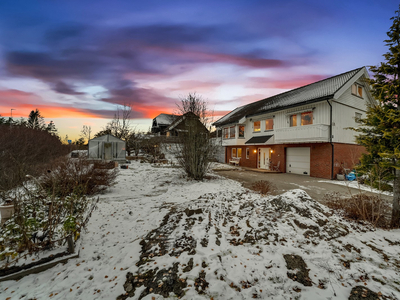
(346, 155)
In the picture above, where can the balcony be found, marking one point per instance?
(301, 134)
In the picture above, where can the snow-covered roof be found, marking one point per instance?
(314, 92)
(165, 119)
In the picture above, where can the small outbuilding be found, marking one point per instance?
(107, 147)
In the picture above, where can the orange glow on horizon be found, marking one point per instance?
(23, 110)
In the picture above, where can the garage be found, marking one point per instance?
(298, 160)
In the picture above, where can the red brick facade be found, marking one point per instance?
(345, 156)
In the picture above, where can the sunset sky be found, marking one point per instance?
(77, 60)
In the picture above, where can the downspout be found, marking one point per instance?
(330, 138)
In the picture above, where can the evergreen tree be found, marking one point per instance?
(36, 120)
(381, 131)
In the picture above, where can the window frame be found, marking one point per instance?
(232, 129)
(272, 127)
(357, 90)
(226, 133)
(259, 126)
(247, 153)
(233, 150)
(304, 114)
(357, 117)
(239, 136)
(291, 119)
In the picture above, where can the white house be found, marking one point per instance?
(302, 131)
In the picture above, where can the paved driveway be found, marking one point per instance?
(284, 182)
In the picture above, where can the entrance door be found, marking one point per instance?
(108, 151)
(263, 158)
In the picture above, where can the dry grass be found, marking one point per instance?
(78, 176)
(361, 207)
(264, 187)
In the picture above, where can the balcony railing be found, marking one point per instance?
(299, 134)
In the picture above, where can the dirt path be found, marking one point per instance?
(284, 182)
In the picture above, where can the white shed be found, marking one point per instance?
(107, 147)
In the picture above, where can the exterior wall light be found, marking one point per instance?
(272, 151)
(255, 151)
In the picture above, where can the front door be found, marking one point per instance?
(108, 151)
(263, 158)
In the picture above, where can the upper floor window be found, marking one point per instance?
(358, 117)
(241, 131)
(293, 120)
(232, 132)
(269, 124)
(257, 126)
(307, 118)
(357, 90)
(226, 133)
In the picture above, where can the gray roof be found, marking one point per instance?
(259, 139)
(314, 92)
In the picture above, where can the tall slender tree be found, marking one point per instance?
(381, 131)
(36, 120)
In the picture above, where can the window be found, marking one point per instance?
(358, 117)
(293, 120)
(357, 90)
(226, 133)
(247, 153)
(239, 152)
(257, 126)
(233, 152)
(241, 131)
(306, 118)
(232, 132)
(269, 124)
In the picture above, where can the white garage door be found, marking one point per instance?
(298, 160)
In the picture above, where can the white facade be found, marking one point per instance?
(346, 108)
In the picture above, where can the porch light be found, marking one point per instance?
(272, 151)
(255, 151)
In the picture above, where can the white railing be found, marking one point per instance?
(306, 133)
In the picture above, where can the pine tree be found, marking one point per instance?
(36, 120)
(381, 130)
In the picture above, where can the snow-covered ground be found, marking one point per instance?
(215, 240)
(355, 185)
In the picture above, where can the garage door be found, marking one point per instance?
(298, 160)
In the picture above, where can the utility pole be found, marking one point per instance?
(11, 119)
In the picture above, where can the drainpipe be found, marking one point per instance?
(330, 138)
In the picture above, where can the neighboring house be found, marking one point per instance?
(303, 131)
(183, 122)
(107, 147)
(161, 123)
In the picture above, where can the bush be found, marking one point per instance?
(41, 221)
(264, 187)
(26, 151)
(79, 177)
(361, 207)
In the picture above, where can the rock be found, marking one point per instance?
(297, 269)
(362, 293)
(190, 212)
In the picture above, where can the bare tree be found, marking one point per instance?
(86, 132)
(194, 149)
(120, 126)
(197, 105)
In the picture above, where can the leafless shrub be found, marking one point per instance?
(264, 187)
(26, 151)
(361, 207)
(78, 176)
